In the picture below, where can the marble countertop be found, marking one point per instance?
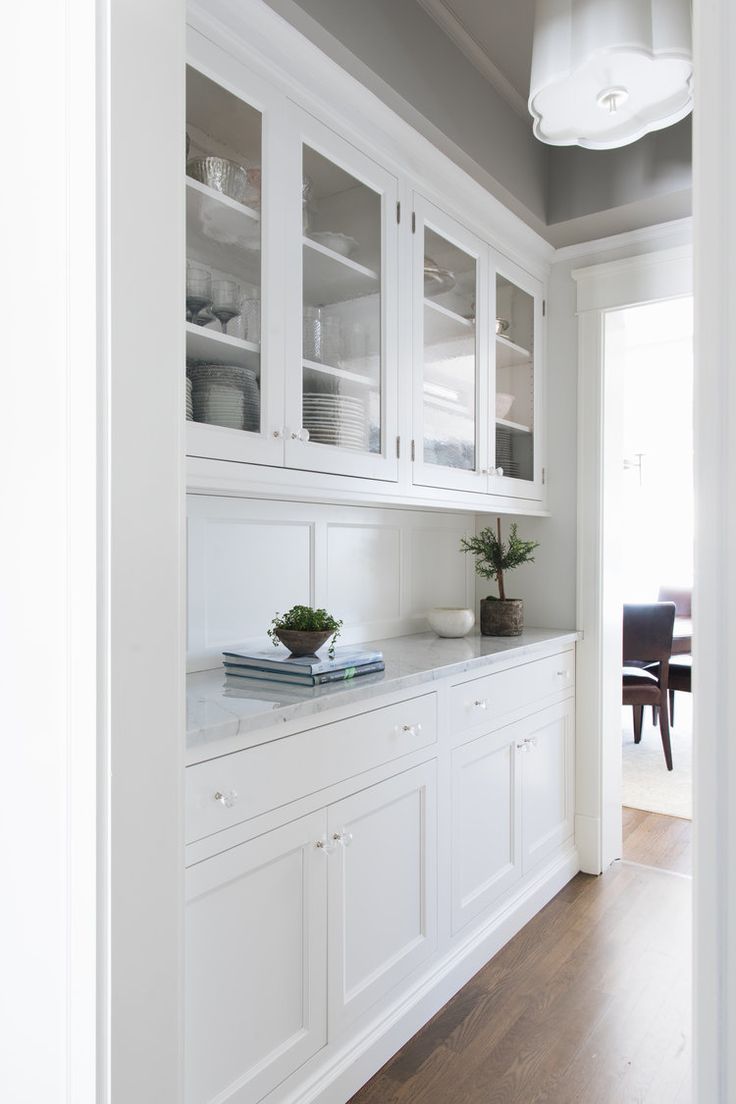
(227, 713)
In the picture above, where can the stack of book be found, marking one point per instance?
(303, 670)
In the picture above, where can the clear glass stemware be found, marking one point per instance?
(199, 290)
(225, 301)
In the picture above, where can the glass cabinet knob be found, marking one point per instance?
(226, 798)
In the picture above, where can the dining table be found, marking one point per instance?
(682, 636)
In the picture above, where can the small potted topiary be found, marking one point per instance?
(500, 616)
(304, 630)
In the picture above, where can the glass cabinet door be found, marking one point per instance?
(450, 349)
(226, 181)
(516, 469)
(341, 363)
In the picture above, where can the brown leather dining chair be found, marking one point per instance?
(647, 640)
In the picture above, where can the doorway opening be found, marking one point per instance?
(649, 349)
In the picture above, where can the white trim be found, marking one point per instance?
(143, 489)
(458, 33)
(647, 235)
(601, 291)
(631, 280)
(714, 696)
(273, 49)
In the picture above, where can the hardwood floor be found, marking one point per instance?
(656, 840)
(588, 1004)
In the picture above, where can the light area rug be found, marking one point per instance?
(647, 784)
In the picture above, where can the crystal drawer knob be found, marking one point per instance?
(300, 434)
(226, 798)
(343, 837)
(411, 729)
(562, 674)
(480, 703)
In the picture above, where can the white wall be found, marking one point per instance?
(378, 570)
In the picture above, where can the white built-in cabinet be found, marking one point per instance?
(370, 336)
(328, 912)
(339, 876)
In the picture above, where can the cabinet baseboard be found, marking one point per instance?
(340, 1069)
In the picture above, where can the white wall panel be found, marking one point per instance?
(379, 570)
(437, 575)
(364, 572)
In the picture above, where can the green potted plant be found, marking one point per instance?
(304, 630)
(500, 616)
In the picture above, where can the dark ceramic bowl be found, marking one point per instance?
(302, 643)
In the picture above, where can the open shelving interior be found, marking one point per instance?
(223, 238)
(342, 351)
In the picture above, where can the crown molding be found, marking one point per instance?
(662, 235)
(458, 33)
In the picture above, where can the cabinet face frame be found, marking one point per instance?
(218, 872)
(532, 489)
(346, 1006)
(305, 130)
(217, 442)
(427, 215)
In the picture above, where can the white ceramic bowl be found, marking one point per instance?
(451, 622)
(504, 403)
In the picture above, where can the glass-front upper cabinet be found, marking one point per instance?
(450, 351)
(516, 469)
(228, 393)
(341, 384)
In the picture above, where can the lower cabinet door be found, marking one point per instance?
(486, 823)
(548, 742)
(382, 890)
(255, 965)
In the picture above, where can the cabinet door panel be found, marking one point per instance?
(255, 963)
(451, 353)
(547, 781)
(516, 439)
(382, 890)
(342, 242)
(234, 245)
(486, 824)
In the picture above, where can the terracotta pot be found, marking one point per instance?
(302, 643)
(499, 618)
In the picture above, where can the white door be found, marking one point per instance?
(486, 822)
(255, 966)
(234, 245)
(382, 890)
(340, 303)
(547, 742)
(516, 438)
(451, 353)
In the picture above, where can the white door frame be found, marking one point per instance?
(601, 289)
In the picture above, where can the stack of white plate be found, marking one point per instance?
(505, 453)
(338, 420)
(225, 395)
(190, 407)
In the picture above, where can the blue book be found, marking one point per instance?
(344, 674)
(280, 660)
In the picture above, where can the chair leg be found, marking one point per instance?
(672, 708)
(655, 714)
(638, 718)
(664, 728)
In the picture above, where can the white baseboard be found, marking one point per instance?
(588, 843)
(334, 1078)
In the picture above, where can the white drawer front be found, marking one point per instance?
(480, 701)
(236, 787)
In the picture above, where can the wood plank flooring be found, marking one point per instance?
(588, 1004)
(656, 840)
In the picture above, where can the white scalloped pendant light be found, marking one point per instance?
(606, 72)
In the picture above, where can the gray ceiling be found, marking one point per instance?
(501, 29)
(458, 70)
